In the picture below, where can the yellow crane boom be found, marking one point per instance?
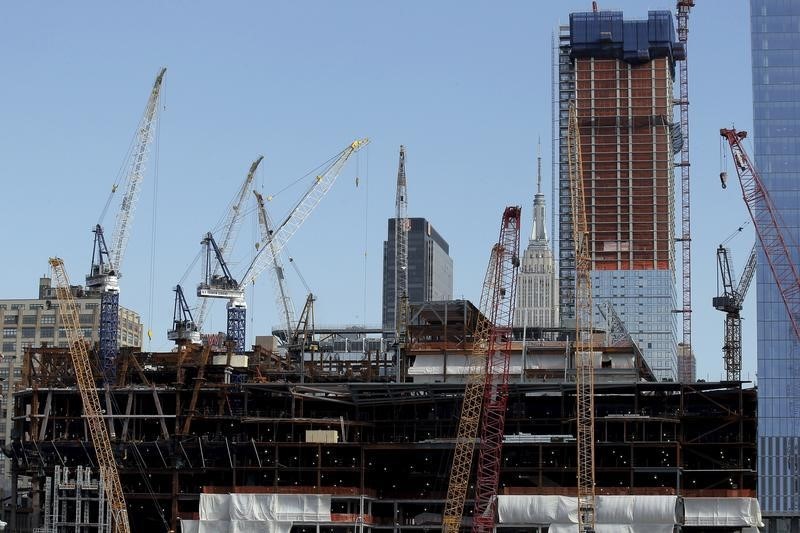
(584, 366)
(79, 353)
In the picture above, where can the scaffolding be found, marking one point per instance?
(75, 504)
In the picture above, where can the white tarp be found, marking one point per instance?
(632, 514)
(214, 507)
(257, 513)
(735, 512)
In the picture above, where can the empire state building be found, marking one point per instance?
(537, 289)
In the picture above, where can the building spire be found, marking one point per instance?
(539, 233)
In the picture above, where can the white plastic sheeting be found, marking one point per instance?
(433, 365)
(626, 514)
(257, 513)
(736, 512)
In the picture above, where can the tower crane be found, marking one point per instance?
(230, 228)
(495, 389)
(584, 367)
(107, 261)
(769, 227)
(401, 227)
(282, 298)
(226, 287)
(731, 303)
(184, 328)
(91, 402)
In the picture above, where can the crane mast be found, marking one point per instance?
(769, 227)
(682, 15)
(91, 402)
(731, 303)
(584, 367)
(495, 390)
(231, 226)
(282, 299)
(237, 308)
(401, 227)
(106, 261)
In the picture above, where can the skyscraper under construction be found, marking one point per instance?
(620, 74)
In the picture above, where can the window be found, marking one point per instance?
(28, 333)
(9, 333)
(87, 319)
(36, 306)
(90, 306)
(9, 347)
(17, 306)
(48, 319)
(29, 319)
(10, 319)
(47, 332)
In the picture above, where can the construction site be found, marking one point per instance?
(453, 417)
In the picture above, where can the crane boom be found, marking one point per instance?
(769, 227)
(584, 365)
(495, 389)
(470, 407)
(91, 401)
(282, 299)
(144, 136)
(231, 225)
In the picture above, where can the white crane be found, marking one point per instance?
(227, 287)
(107, 261)
(230, 228)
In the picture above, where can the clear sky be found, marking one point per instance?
(466, 86)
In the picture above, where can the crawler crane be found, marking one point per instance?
(101, 441)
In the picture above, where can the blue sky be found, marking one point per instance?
(464, 85)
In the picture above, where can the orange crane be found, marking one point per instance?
(101, 441)
(584, 368)
(769, 227)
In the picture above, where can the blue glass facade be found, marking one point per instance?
(775, 41)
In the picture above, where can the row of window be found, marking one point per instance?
(32, 307)
(46, 332)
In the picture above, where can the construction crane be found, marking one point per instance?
(184, 328)
(495, 391)
(769, 227)
(282, 299)
(731, 302)
(471, 406)
(237, 308)
(584, 367)
(93, 413)
(107, 261)
(401, 227)
(682, 15)
(230, 228)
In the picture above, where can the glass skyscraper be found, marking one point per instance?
(775, 33)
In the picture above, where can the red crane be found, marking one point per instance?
(495, 390)
(769, 227)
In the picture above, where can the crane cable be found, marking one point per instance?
(366, 222)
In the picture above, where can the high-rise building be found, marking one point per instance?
(36, 322)
(537, 282)
(430, 268)
(775, 43)
(620, 74)
(687, 364)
